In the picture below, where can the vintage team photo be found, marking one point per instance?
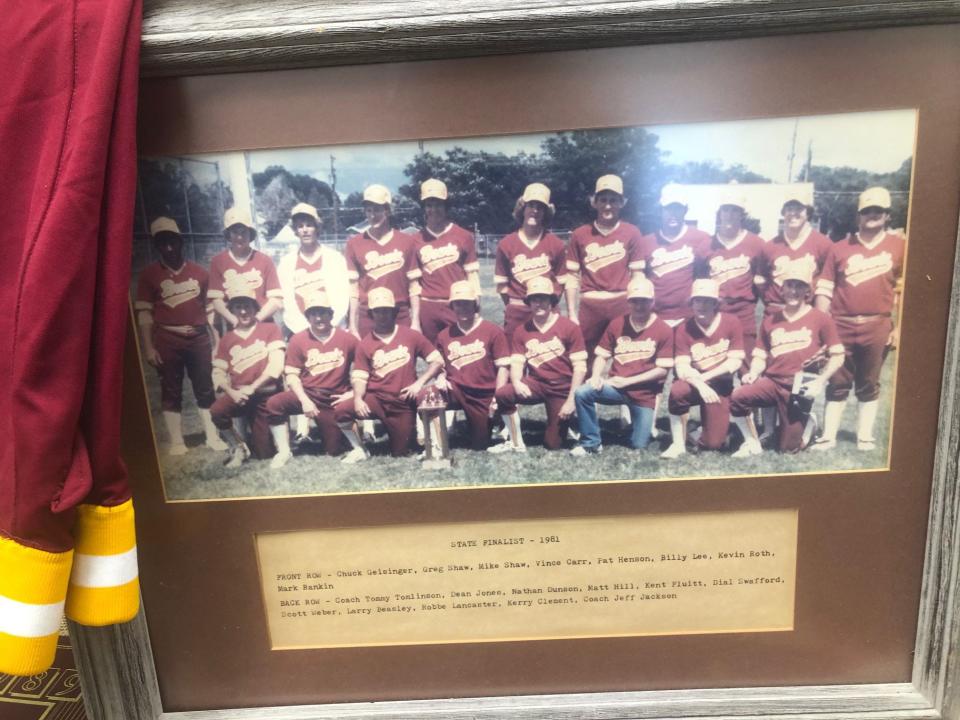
(641, 303)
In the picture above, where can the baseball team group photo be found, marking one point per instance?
(649, 303)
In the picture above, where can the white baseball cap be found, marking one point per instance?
(377, 194)
(241, 290)
(640, 287)
(797, 271)
(164, 224)
(613, 183)
(462, 290)
(874, 197)
(433, 188)
(381, 297)
(732, 195)
(705, 288)
(317, 298)
(305, 209)
(537, 192)
(237, 216)
(672, 194)
(802, 194)
(540, 285)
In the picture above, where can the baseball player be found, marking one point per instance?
(382, 257)
(797, 352)
(708, 352)
(476, 357)
(860, 287)
(240, 268)
(384, 377)
(603, 257)
(172, 315)
(446, 254)
(548, 365)
(530, 252)
(247, 368)
(317, 370)
(632, 360)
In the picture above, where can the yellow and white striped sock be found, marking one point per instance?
(33, 585)
(104, 585)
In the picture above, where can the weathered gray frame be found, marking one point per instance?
(183, 37)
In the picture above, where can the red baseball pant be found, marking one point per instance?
(475, 403)
(865, 349)
(765, 392)
(594, 314)
(282, 405)
(714, 417)
(435, 317)
(552, 397)
(746, 313)
(398, 416)
(254, 411)
(514, 316)
(178, 353)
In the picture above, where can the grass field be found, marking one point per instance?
(201, 475)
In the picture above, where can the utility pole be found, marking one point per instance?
(336, 199)
(793, 151)
(809, 163)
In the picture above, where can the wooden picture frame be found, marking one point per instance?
(116, 663)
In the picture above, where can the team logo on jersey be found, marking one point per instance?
(462, 354)
(723, 269)
(783, 341)
(860, 268)
(377, 265)
(385, 362)
(664, 261)
(525, 268)
(435, 257)
(236, 282)
(628, 350)
(540, 352)
(805, 264)
(706, 356)
(177, 293)
(598, 256)
(319, 363)
(244, 357)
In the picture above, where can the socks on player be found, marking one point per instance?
(866, 417)
(210, 432)
(832, 413)
(174, 424)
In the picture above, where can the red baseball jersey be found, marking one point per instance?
(706, 348)
(734, 265)
(390, 263)
(860, 279)
(322, 365)
(472, 358)
(176, 297)
(789, 346)
(549, 353)
(808, 254)
(444, 259)
(257, 274)
(244, 356)
(671, 266)
(516, 263)
(638, 350)
(390, 364)
(605, 261)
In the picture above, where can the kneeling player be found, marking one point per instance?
(638, 348)
(549, 364)
(247, 369)
(793, 342)
(385, 382)
(708, 352)
(317, 370)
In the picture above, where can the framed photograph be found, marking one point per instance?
(647, 580)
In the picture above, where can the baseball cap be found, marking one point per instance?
(433, 188)
(705, 288)
(381, 297)
(672, 194)
(462, 290)
(732, 195)
(241, 291)
(802, 194)
(316, 299)
(613, 183)
(797, 271)
(874, 197)
(640, 287)
(537, 192)
(237, 216)
(540, 285)
(377, 194)
(164, 224)
(305, 209)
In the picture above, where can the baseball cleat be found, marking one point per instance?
(748, 449)
(280, 459)
(823, 443)
(358, 454)
(506, 447)
(177, 449)
(238, 455)
(581, 451)
(866, 444)
(216, 444)
(674, 451)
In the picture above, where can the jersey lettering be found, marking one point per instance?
(783, 341)
(435, 257)
(177, 293)
(708, 356)
(236, 282)
(597, 256)
(723, 269)
(462, 354)
(377, 265)
(244, 357)
(664, 261)
(385, 362)
(859, 268)
(540, 352)
(628, 350)
(525, 268)
(318, 363)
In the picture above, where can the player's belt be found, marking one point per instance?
(861, 319)
(737, 301)
(603, 294)
(515, 301)
(433, 300)
(184, 330)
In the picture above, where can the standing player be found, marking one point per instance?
(605, 256)
(797, 340)
(317, 369)
(171, 307)
(240, 267)
(446, 254)
(708, 352)
(247, 368)
(382, 257)
(528, 253)
(860, 286)
(385, 381)
(476, 357)
(637, 347)
(548, 365)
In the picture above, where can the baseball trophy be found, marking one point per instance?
(436, 453)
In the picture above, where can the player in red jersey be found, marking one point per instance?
(446, 254)
(240, 268)
(549, 363)
(603, 257)
(860, 287)
(173, 317)
(247, 368)
(317, 370)
(708, 352)
(530, 252)
(796, 354)
(477, 358)
(633, 358)
(385, 381)
(382, 257)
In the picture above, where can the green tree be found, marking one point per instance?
(277, 190)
